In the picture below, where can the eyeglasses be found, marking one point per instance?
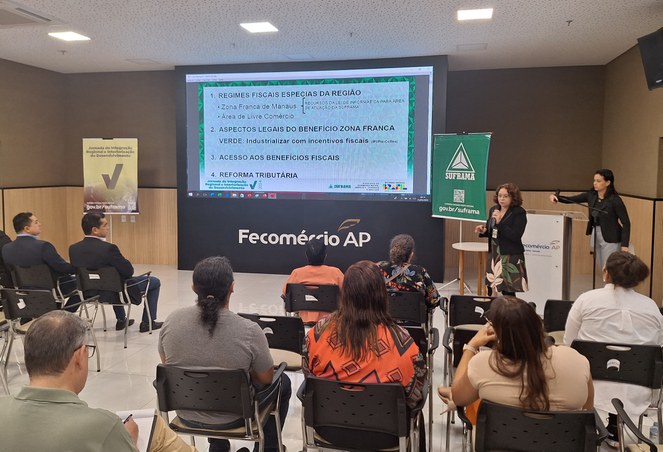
(90, 349)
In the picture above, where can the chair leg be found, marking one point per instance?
(149, 314)
(3, 373)
(103, 314)
(96, 346)
(277, 422)
(9, 351)
(126, 324)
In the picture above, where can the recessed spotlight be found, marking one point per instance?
(259, 27)
(475, 14)
(69, 36)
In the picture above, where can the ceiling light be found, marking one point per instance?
(475, 14)
(69, 36)
(259, 27)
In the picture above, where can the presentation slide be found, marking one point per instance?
(343, 134)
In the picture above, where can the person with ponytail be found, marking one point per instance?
(361, 343)
(209, 334)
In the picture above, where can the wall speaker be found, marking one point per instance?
(651, 51)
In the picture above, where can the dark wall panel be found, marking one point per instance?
(124, 105)
(546, 122)
(32, 126)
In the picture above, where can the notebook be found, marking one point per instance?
(146, 420)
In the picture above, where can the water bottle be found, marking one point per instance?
(653, 433)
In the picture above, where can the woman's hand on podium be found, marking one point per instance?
(553, 199)
(480, 229)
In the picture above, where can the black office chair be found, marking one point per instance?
(285, 336)
(465, 315)
(219, 391)
(21, 304)
(92, 281)
(501, 428)
(41, 277)
(311, 297)
(409, 309)
(555, 313)
(640, 365)
(623, 419)
(357, 416)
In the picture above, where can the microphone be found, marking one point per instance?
(491, 222)
(557, 193)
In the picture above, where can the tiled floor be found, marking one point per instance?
(125, 380)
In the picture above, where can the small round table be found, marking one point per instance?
(472, 247)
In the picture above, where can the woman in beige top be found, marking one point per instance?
(521, 370)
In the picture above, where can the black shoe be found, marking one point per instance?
(119, 326)
(145, 327)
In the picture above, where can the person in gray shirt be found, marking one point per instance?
(209, 334)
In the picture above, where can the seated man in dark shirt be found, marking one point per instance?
(95, 252)
(28, 250)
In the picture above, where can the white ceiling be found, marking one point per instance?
(137, 35)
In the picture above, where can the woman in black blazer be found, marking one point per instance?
(608, 217)
(505, 227)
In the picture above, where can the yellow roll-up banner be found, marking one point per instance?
(110, 175)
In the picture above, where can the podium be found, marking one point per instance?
(547, 242)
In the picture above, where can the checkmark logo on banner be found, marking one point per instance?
(111, 182)
(253, 185)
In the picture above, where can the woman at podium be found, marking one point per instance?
(608, 218)
(506, 272)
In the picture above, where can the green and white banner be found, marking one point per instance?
(460, 165)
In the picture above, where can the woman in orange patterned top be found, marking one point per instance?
(361, 343)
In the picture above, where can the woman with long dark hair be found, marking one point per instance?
(608, 218)
(209, 334)
(521, 370)
(363, 333)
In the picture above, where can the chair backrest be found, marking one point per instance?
(555, 313)
(33, 277)
(25, 303)
(105, 279)
(311, 297)
(501, 427)
(356, 416)
(640, 365)
(468, 309)
(204, 389)
(408, 307)
(418, 334)
(282, 332)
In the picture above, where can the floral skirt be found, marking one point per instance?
(506, 273)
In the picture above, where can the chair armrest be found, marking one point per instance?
(600, 428)
(444, 305)
(142, 275)
(301, 390)
(86, 301)
(445, 339)
(65, 278)
(267, 392)
(434, 340)
(460, 411)
(619, 406)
